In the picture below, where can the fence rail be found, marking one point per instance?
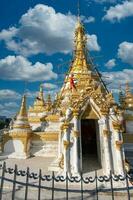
(83, 181)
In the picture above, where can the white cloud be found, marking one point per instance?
(116, 78)
(90, 19)
(119, 11)
(103, 1)
(106, 1)
(9, 94)
(49, 86)
(11, 105)
(19, 68)
(8, 109)
(111, 63)
(1, 107)
(42, 30)
(8, 34)
(125, 52)
(92, 43)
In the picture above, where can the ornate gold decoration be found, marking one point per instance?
(118, 144)
(128, 100)
(90, 113)
(65, 125)
(61, 162)
(23, 126)
(76, 134)
(61, 128)
(53, 118)
(35, 120)
(75, 113)
(117, 126)
(66, 144)
(45, 136)
(49, 103)
(104, 111)
(127, 166)
(105, 132)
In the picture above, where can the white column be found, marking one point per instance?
(119, 169)
(60, 142)
(66, 144)
(75, 144)
(107, 153)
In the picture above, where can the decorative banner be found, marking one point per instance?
(72, 83)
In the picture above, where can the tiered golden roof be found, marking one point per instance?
(80, 68)
(128, 97)
(121, 97)
(49, 103)
(87, 81)
(39, 104)
(80, 57)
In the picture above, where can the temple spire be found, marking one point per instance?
(21, 121)
(80, 49)
(23, 111)
(121, 97)
(127, 91)
(40, 95)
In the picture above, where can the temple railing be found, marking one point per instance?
(112, 185)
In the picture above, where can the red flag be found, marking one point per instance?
(72, 84)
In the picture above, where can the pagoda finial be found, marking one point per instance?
(127, 91)
(128, 97)
(21, 121)
(23, 111)
(78, 8)
(121, 96)
(49, 98)
(40, 94)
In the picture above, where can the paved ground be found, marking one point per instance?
(34, 163)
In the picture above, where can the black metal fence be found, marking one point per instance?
(41, 183)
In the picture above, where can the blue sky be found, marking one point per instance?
(36, 42)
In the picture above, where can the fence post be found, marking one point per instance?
(96, 185)
(53, 177)
(66, 186)
(39, 186)
(2, 179)
(111, 183)
(27, 181)
(81, 176)
(127, 186)
(14, 182)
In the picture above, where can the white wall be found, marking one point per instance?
(14, 146)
